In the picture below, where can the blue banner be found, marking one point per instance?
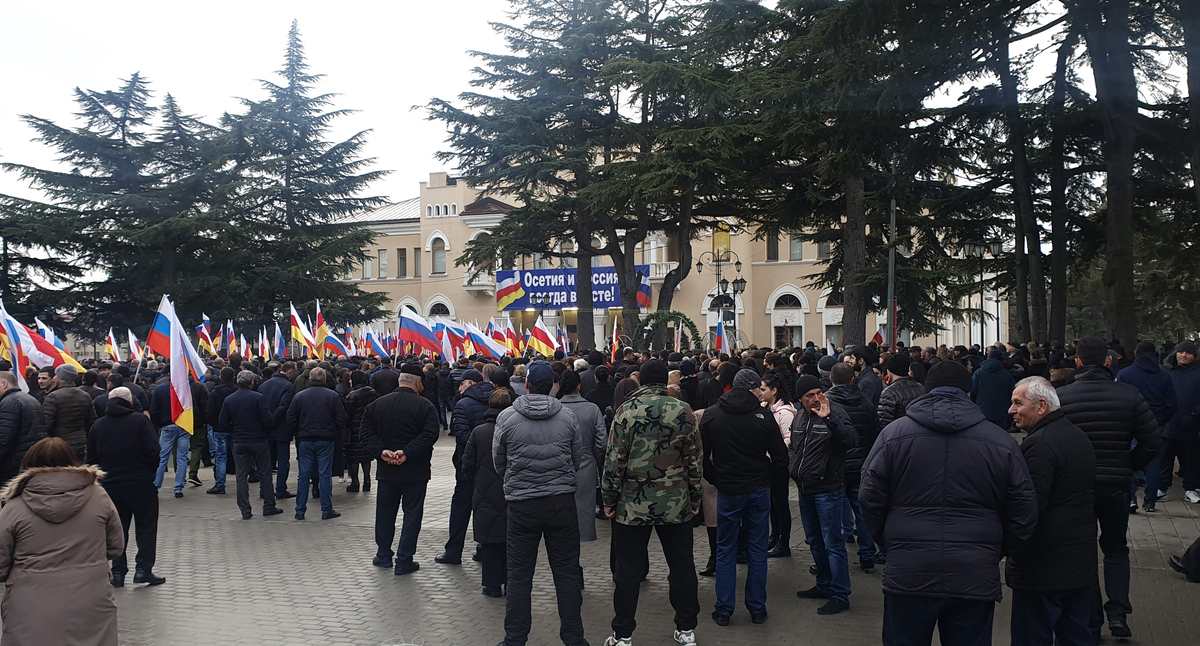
(554, 289)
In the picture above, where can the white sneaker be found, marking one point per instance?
(1161, 497)
(613, 641)
(1192, 496)
(341, 479)
(685, 637)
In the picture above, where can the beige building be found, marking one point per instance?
(412, 261)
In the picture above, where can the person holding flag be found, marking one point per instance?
(135, 348)
(173, 408)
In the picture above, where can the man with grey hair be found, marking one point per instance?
(247, 422)
(1054, 575)
(316, 415)
(20, 425)
(67, 411)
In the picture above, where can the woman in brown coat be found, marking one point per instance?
(58, 530)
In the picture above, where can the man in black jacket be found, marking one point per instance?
(385, 379)
(947, 495)
(279, 391)
(20, 425)
(124, 445)
(246, 421)
(469, 412)
(741, 442)
(316, 414)
(901, 390)
(1112, 415)
(821, 433)
(861, 414)
(400, 430)
(221, 447)
(1053, 576)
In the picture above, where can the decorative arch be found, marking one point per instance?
(437, 209)
(787, 289)
(429, 211)
(445, 209)
(480, 232)
(453, 208)
(439, 299)
(821, 302)
(434, 236)
(739, 306)
(405, 301)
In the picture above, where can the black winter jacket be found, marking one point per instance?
(489, 508)
(1155, 385)
(895, 399)
(742, 444)
(1113, 415)
(430, 392)
(216, 399)
(445, 386)
(401, 421)
(67, 412)
(1062, 553)
(866, 428)
(788, 378)
(245, 417)
(278, 391)
(470, 410)
(20, 428)
(124, 444)
(817, 455)
(356, 404)
(947, 494)
(1186, 423)
(317, 415)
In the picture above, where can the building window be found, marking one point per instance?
(383, 263)
(797, 247)
(788, 336)
(833, 333)
(429, 211)
(445, 209)
(416, 262)
(454, 209)
(540, 261)
(439, 309)
(772, 248)
(367, 269)
(788, 300)
(439, 256)
(722, 302)
(823, 250)
(401, 263)
(568, 262)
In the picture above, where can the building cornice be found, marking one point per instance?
(482, 221)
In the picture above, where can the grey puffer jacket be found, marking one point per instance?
(537, 448)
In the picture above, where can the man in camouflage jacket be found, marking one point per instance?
(651, 480)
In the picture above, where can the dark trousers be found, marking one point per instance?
(1189, 463)
(910, 620)
(1057, 618)
(1112, 512)
(460, 507)
(781, 509)
(136, 501)
(256, 456)
(494, 560)
(366, 473)
(630, 544)
(198, 448)
(283, 462)
(391, 497)
(552, 517)
(1191, 561)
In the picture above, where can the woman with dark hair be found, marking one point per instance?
(779, 365)
(361, 395)
(58, 530)
(621, 392)
(725, 374)
(917, 372)
(489, 509)
(602, 393)
(707, 394)
(771, 394)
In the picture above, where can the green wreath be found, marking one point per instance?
(655, 323)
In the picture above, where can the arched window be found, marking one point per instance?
(429, 211)
(439, 256)
(439, 309)
(482, 238)
(721, 302)
(788, 300)
(445, 209)
(437, 210)
(454, 209)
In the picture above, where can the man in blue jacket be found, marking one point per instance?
(316, 414)
(1182, 436)
(991, 389)
(1147, 375)
(278, 392)
(469, 412)
(245, 418)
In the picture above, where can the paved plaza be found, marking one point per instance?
(280, 581)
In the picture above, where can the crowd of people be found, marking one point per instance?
(910, 455)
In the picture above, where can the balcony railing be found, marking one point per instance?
(483, 282)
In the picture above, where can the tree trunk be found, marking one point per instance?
(1190, 10)
(683, 240)
(585, 328)
(1116, 94)
(1057, 330)
(625, 263)
(854, 260)
(1023, 216)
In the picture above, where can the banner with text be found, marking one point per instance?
(553, 289)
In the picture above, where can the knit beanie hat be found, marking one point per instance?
(948, 373)
(746, 379)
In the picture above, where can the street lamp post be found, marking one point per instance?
(981, 249)
(723, 284)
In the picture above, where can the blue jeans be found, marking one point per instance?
(752, 510)
(170, 436)
(314, 456)
(821, 515)
(866, 544)
(219, 443)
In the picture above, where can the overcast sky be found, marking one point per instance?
(383, 58)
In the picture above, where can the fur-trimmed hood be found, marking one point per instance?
(54, 493)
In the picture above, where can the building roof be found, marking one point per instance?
(409, 209)
(486, 206)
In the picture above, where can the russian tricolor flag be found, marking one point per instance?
(416, 330)
(643, 294)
